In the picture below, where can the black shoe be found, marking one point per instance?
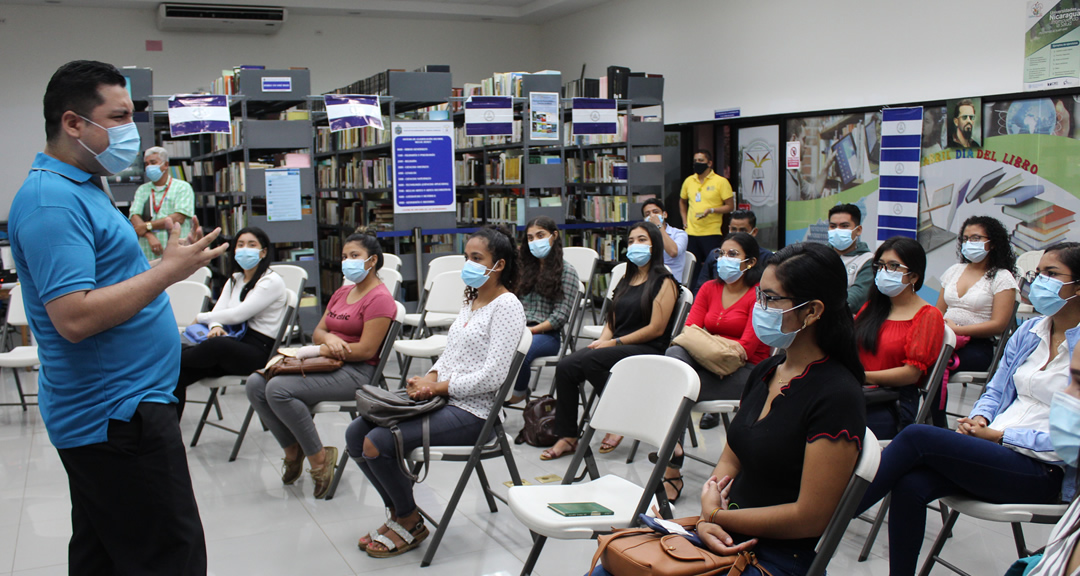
(709, 421)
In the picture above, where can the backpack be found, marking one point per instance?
(539, 427)
(385, 408)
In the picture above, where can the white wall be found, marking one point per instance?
(34, 41)
(778, 56)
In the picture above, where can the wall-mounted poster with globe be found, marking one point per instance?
(1026, 175)
(838, 164)
(759, 150)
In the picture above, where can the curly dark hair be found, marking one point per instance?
(1001, 255)
(543, 276)
(500, 242)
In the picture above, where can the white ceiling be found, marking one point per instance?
(509, 11)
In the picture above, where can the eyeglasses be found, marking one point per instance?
(974, 238)
(890, 266)
(764, 298)
(733, 254)
(1032, 275)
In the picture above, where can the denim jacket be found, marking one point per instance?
(1000, 393)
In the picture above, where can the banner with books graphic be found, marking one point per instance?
(1025, 175)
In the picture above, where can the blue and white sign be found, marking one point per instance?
(727, 113)
(423, 167)
(276, 84)
(594, 116)
(489, 116)
(898, 196)
(352, 111)
(198, 114)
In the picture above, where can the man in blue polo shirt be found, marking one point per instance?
(107, 339)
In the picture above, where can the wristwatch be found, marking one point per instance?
(149, 226)
(618, 341)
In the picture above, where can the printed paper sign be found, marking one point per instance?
(283, 194)
(594, 116)
(352, 111)
(424, 167)
(276, 84)
(198, 114)
(489, 116)
(544, 115)
(793, 155)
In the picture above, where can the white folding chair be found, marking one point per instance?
(295, 279)
(1027, 262)
(593, 332)
(584, 262)
(440, 265)
(492, 442)
(221, 382)
(931, 388)
(689, 261)
(633, 405)
(18, 357)
(1014, 514)
(542, 362)
(444, 298)
(333, 406)
(391, 262)
(202, 276)
(187, 300)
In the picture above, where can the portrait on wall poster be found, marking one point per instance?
(964, 123)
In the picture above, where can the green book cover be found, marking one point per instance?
(580, 509)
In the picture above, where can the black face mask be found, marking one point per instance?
(700, 167)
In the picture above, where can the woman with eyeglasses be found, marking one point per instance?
(638, 322)
(1004, 451)
(899, 336)
(723, 307)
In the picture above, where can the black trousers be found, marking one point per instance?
(572, 372)
(220, 356)
(133, 510)
(700, 246)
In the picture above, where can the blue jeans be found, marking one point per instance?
(924, 463)
(778, 561)
(546, 344)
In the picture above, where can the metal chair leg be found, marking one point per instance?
(243, 432)
(633, 452)
(205, 414)
(338, 474)
(693, 434)
(939, 543)
(449, 512)
(534, 554)
(482, 476)
(875, 528)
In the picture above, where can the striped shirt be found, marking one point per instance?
(538, 308)
(179, 198)
(1056, 557)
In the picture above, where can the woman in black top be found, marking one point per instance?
(795, 440)
(637, 322)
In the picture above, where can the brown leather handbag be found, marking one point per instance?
(291, 365)
(645, 552)
(719, 355)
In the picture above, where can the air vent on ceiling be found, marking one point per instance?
(220, 18)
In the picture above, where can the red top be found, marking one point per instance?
(916, 342)
(732, 322)
(346, 321)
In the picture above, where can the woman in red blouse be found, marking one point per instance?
(723, 307)
(899, 336)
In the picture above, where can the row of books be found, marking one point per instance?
(608, 245)
(232, 178)
(501, 84)
(379, 84)
(177, 148)
(500, 210)
(619, 137)
(230, 140)
(598, 208)
(355, 173)
(600, 168)
(503, 169)
(365, 137)
(336, 213)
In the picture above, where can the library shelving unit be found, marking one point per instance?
(355, 179)
(270, 128)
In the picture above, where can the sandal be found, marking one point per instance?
(411, 538)
(676, 461)
(551, 454)
(677, 489)
(362, 544)
(609, 446)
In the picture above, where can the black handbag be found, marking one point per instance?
(386, 409)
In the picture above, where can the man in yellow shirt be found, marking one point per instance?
(705, 198)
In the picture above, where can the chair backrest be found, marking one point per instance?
(446, 295)
(865, 471)
(932, 384)
(202, 275)
(633, 405)
(388, 342)
(391, 262)
(681, 311)
(1028, 261)
(442, 264)
(582, 259)
(295, 277)
(506, 391)
(576, 310)
(292, 304)
(392, 279)
(616, 276)
(689, 261)
(16, 312)
(999, 348)
(187, 300)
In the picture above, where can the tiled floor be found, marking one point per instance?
(255, 526)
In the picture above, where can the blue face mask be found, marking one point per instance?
(124, 145)
(154, 172)
(840, 239)
(354, 269)
(247, 258)
(890, 283)
(639, 254)
(974, 251)
(767, 326)
(729, 269)
(1045, 295)
(1065, 427)
(540, 247)
(475, 275)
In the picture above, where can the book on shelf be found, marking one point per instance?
(467, 169)
(355, 173)
(177, 148)
(545, 159)
(500, 84)
(597, 168)
(352, 138)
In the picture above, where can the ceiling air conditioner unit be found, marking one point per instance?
(220, 18)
